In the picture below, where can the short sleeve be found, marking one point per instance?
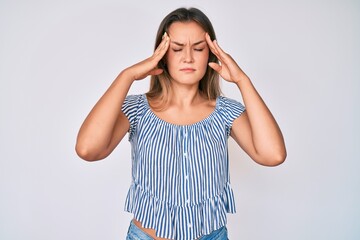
(230, 110)
(130, 108)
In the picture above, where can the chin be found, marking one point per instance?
(187, 79)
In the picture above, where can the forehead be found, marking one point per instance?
(185, 31)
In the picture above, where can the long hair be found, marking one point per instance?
(160, 84)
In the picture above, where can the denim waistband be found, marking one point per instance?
(135, 233)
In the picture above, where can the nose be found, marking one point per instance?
(188, 55)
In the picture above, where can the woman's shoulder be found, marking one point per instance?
(135, 97)
(229, 108)
(134, 102)
(224, 103)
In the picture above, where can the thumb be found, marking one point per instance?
(156, 71)
(215, 66)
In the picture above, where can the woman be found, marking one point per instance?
(178, 132)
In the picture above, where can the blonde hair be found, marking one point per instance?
(209, 86)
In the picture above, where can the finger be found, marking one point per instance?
(215, 66)
(160, 53)
(163, 46)
(211, 45)
(221, 54)
(209, 41)
(214, 49)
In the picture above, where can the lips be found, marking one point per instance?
(187, 70)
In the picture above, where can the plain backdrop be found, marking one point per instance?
(58, 57)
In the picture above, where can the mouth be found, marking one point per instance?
(187, 70)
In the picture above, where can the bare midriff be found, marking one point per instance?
(148, 231)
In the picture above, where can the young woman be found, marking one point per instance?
(179, 130)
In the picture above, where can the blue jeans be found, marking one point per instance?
(135, 233)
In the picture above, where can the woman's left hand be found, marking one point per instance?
(256, 130)
(228, 69)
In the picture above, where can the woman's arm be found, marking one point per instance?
(106, 124)
(256, 130)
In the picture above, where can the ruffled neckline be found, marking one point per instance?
(164, 122)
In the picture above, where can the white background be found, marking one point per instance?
(58, 57)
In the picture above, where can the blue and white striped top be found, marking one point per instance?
(180, 173)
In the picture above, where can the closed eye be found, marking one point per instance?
(180, 49)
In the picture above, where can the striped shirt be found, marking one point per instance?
(180, 173)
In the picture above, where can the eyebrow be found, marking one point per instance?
(182, 44)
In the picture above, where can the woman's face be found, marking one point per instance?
(188, 53)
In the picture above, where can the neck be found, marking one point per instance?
(184, 95)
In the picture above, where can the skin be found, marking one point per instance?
(186, 59)
(186, 49)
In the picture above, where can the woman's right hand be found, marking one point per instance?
(106, 124)
(149, 66)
